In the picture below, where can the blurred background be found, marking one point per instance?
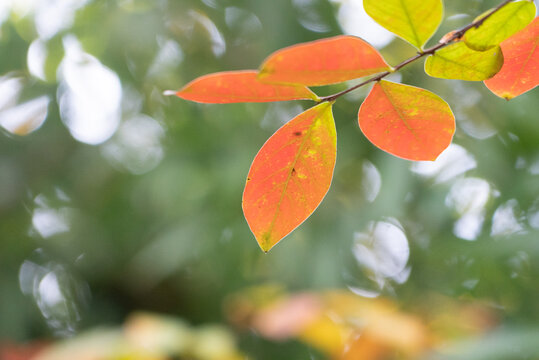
(121, 231)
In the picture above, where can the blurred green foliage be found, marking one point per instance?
(150, 217)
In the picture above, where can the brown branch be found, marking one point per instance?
(446, 40)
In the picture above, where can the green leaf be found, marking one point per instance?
(413, 20)
(458, 61)
(505, 22)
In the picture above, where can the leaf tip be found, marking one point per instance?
(507, 96)
(265, 243)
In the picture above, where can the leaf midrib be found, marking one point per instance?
(401, 116)
(460, 64)
(407, 14)
(287, 181)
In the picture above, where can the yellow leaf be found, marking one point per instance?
(458, 61)
(499, 26)
(413, 20)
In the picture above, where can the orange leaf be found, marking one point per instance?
(406, 121)
(290, 175)
(363, 347)
(323, 62)
(240, 86)
(520, 71)
(22, 352)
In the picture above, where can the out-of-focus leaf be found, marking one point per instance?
(323, 62)
(381, 320)
(21, 352)
(284, 319)
(290, 175)
(147, 337)
(406, 121)
(240, 86)
(499, 26)
(520, 71)
(99, 344)
(413, 20)
(331, 322)
(363, 347)
(503, 344)
(325, 333)
(158, 334)
(458, 61)
(214, 342)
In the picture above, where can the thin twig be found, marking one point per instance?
(446, 40)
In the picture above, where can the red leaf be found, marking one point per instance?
(240, 86)
(406, 121)
(21, 352)
(323, 62)
(290, 175)
(520, 71)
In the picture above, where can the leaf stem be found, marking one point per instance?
(444, 41)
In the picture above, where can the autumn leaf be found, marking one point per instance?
(22, 352)
(413, 20)
(362, 346)
(325, 334)
(520, 71)
(406, 121)
(290, 175)
(240, 86)
(323, 62)
(458, 61)
(505, 22)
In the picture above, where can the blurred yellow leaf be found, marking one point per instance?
(148, 337)
(158, 334)
(325, 334)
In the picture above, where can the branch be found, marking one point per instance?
(444, 41)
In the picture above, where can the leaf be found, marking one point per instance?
(406, 121)
(323, 62)
(499, 26)
(457, 61)
(520, 71)
(413, 20)
(240, 86)
(290, 175)
(28, 351)
(363, 347)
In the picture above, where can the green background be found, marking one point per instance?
(168, 235)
